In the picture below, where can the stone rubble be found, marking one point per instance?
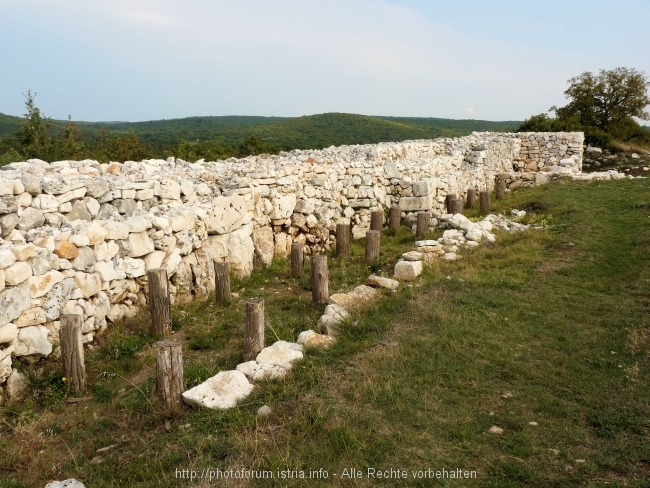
(79, 236)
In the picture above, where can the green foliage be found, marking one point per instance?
(125, 345)
(34, 135)
(603, 106)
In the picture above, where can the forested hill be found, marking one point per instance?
(313, 131)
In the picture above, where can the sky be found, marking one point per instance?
(134, 60)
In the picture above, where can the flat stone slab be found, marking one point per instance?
(281, 354)
(381, 282)
(259, 371)
(69, 483)
(412, 256)
(221, 391)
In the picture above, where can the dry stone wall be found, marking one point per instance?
(79, 236)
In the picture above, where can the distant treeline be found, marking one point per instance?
(211, 138)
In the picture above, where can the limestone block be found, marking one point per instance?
(282, 244)
(138, 224)
(311, 339)
(108, 271)
(241, 251)
(133, 268)
(116, 231)
(412, 256)
(381, 282)
(8, 204)
(8, 223)
(141, 244)
(79, 212)
(89, 284)
(53, 301)
(69, 483)
(229, 213)
(31, 218)
(96, 187)
(7, 258)
(96, 234)
(8, 333)
(255, 371)
(31, 316)
(281, 353)
(264, 245)
(283, 206)
(170, 190)
(408, 270)
(423, 188)
(17, 273)
(32, 341)
(216, 247)
(171, 262)
(153, 260)
(66, 250)
(24, 252)
(79, 240)
(84, 260)
(41, 285)
(412, 204)
(221, 391)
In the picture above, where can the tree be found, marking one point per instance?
(607, 100)
(34, 135)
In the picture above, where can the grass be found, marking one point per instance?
(549, 327)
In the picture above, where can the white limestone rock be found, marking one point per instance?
(41, 285)
(222, 391)
(408, 270)
(381, 282)
(69, 483)
(264, 245)
(17, 273)
(281, 354)
(8, 333)
(32, 341)
(258, 371)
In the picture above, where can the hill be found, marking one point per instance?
(312, 131)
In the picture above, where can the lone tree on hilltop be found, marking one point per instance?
(606, 100)
(603, 105)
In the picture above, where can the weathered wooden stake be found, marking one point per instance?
(169, 374)
(72, 352)
(501, 189)
(254, 339)
(448, 200)
(342, 239)
(395, 218)
(471, 197)
(159, 302)
(297, 258)
(484, 198)
(222, 282)
(320, 293)
(456, 206)
(422, 226)
(373, 239)
(377, 220)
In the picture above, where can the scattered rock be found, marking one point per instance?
(69, 483)
(381, 282)
(408, 270)
(221, 391)
(495, 430)
(264, 411)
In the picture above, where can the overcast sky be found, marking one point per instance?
(133, 60)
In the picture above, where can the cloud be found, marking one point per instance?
(469, 110)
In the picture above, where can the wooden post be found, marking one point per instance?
(456, 206)
(501, 189)
(159, 302)
(319, 280)
(169, 374)
(342, 239)
(422, 225)
(471, 197)
(72, 352)
(373, 239)
(395, 218)
(222, 282)
(254, 338)
(377, 220)
(448, 199)
(484, 198)
(297, 258)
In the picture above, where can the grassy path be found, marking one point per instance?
(546, 327)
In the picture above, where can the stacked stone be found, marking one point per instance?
(79, 236)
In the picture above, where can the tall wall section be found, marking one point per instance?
(79, 236)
